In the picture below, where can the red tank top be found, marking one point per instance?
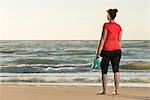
(112, 38)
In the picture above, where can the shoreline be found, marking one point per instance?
(132, 85)
(32, 92)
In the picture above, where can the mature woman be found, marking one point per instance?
(109, 49)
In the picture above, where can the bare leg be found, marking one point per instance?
(104, 83)
(116, 82)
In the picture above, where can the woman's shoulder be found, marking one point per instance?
(110, 23)
(117, 24)
(106, 23)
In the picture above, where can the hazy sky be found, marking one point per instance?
(71, 19)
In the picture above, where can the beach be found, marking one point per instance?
(61, 70)
(33, 92)
(49, 50)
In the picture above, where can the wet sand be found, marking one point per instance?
(33, 92)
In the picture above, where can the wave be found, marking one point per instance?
(23, 51)
(46, 61)
(10, 51)
(78, 53)
(137, 65)
(66, 68)
(46, 69)
(48, 53)
(41, 80)
(36, 61)
(72, 80)
(47, 65)
(136, 44)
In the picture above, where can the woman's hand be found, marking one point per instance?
(98, 53)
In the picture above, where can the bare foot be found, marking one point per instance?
(102, 93)
(115, 92)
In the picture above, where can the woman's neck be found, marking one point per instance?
(112, 21)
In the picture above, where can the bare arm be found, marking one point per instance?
(101, 42)
(120, 38)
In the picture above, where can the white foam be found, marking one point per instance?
(83, 84)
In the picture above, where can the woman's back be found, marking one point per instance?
(112, 38)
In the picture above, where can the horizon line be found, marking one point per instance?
(68, 40)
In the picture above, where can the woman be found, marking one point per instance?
(109, 49)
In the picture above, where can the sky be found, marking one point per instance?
(71, 19)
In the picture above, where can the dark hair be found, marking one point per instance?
(112, 13)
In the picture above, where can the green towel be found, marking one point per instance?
(96, 63)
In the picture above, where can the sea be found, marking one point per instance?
(68, 62)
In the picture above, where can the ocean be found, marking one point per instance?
(68, 62)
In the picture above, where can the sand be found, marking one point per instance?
(32, 92)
